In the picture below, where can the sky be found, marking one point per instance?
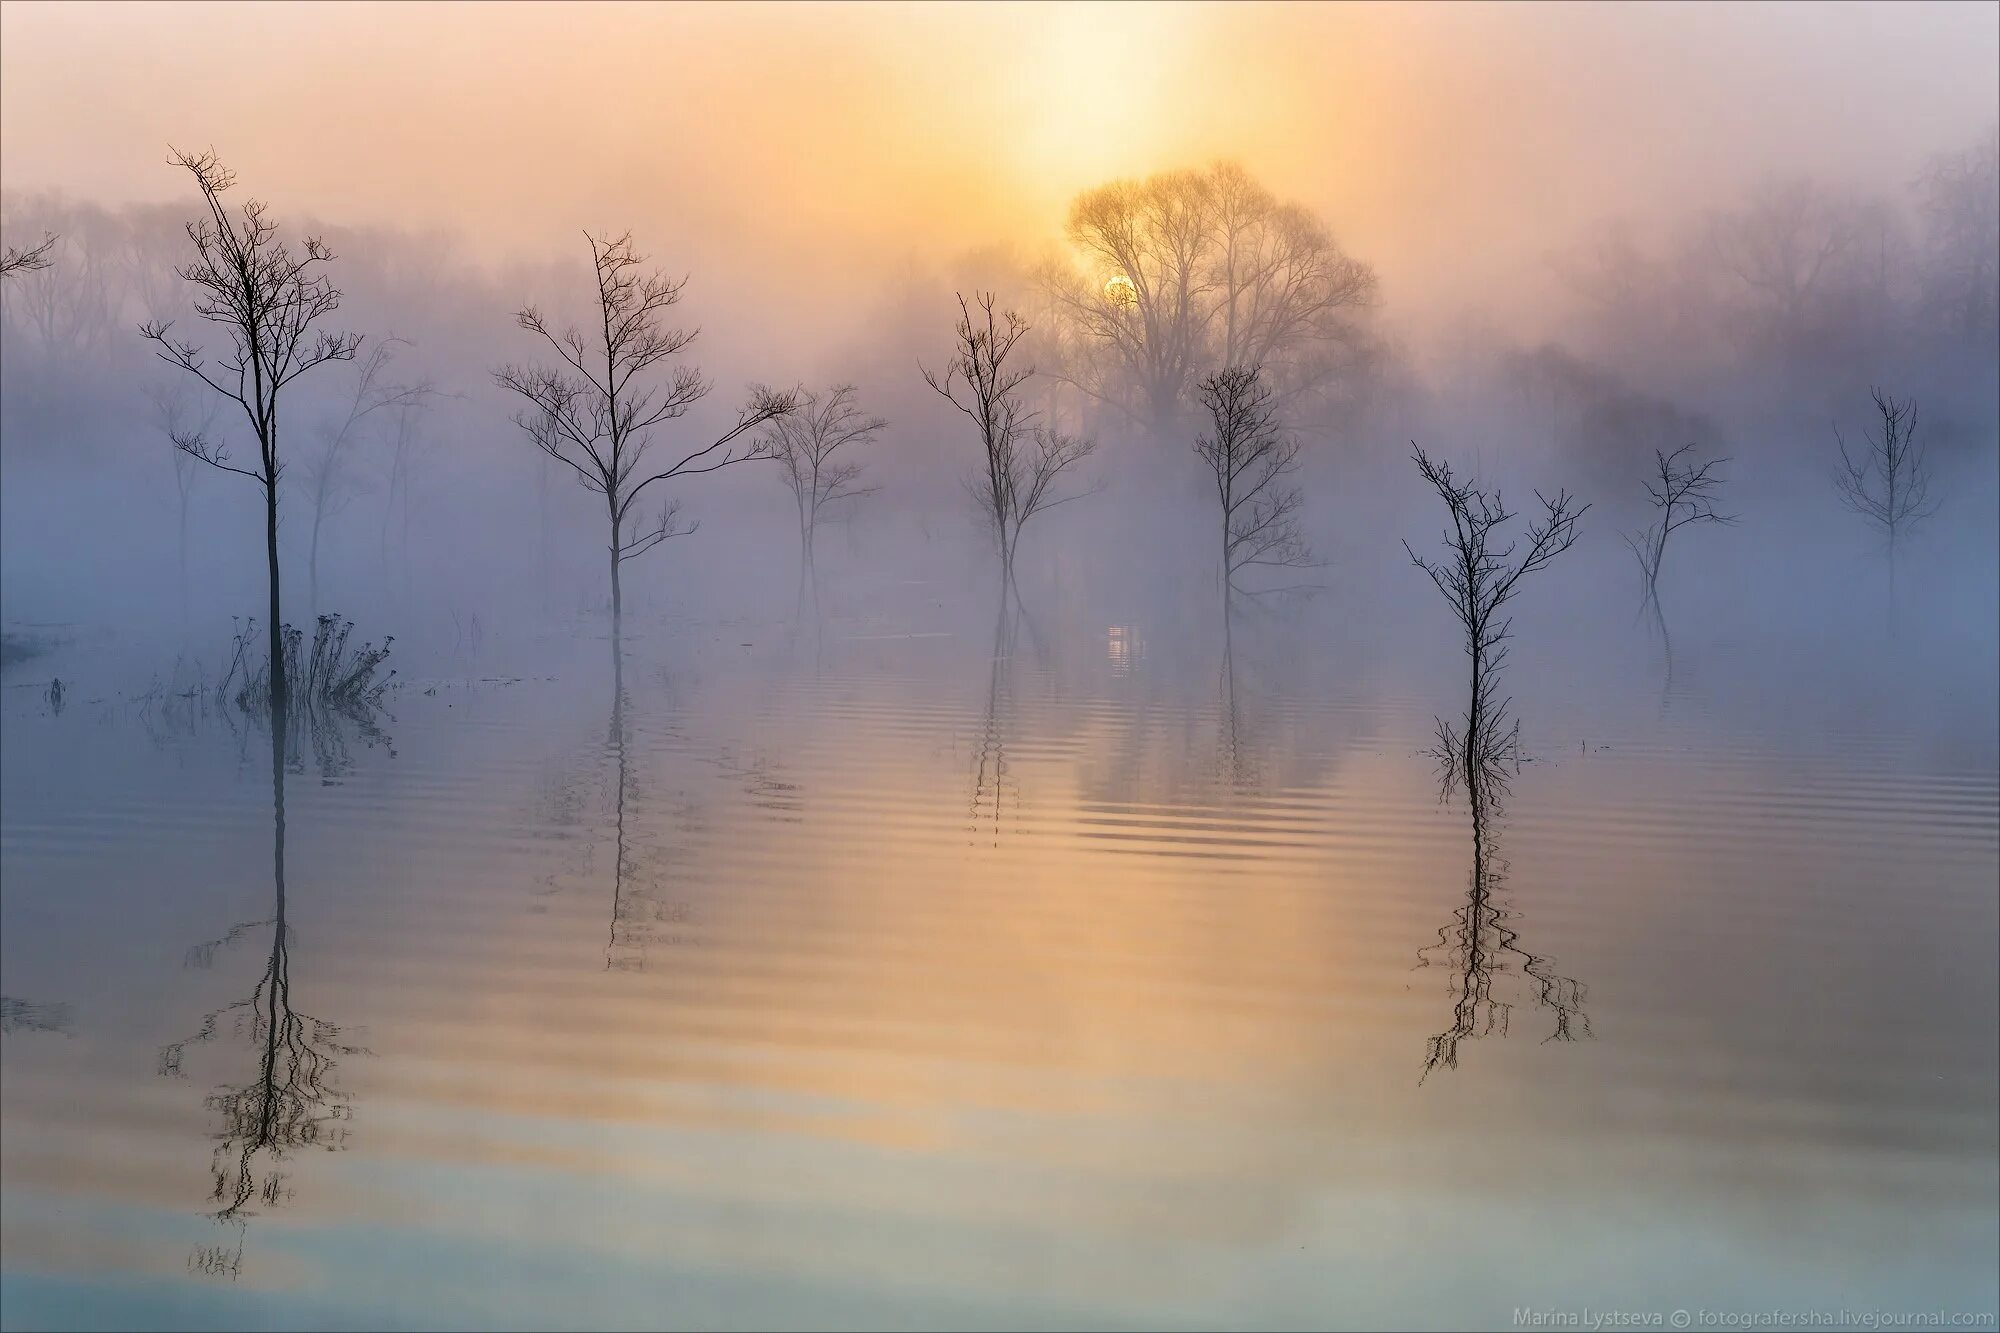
(808, 150)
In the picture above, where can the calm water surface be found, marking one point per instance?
(1058, 973)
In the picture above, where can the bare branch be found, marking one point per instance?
(196, 445)
(1887, 480)
(597, 413)
(1253, 461)
(1478, 576)
(1020, 459)
(30, 260)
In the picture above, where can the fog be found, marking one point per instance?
(956, 665)
(1587, 234)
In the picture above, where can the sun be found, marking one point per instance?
(1121, 290)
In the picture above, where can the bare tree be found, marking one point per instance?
(1022, 459)
(30, 260)
(171, 409)
(1959, 198)
(330, 482)
(1253, 460)
(75, 308)
(1143, 292)
(1478, 577)
(1888, 482)
(266, 299)
(805, 444)
(406, 447)
(1684, 492)
(1189, 269)
(597, 411)
(1791, 247)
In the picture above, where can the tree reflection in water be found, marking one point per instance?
(1479, 943)
(292, 1102)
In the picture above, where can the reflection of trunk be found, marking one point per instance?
(1659, 624)
(278, 979)
(290, 1103)
(1232, 740)
(1477, 944)
(621, 763)
(990, 775)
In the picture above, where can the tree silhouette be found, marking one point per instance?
(1887, 480)
(1478, 577)
(31, 259)
(330, 481)
(1253, 461)
(1021, 458)
(266, 301)
(597, 411)
(1188, 270)
(1683, 490)
(807, 445)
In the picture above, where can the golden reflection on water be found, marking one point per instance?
(937, 986)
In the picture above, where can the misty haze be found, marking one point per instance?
(999, 666)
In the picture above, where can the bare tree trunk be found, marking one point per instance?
(184, 559)
(1474, 723)
(1892, 566)
(812, 563)
(542, 533)
(280, 687)
(808, 578)
(617, 597)
(312, 564)
(407, 590)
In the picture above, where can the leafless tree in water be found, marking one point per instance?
(1683, 490)
(266, 300)
(597, 411)
(1887, 479)
(1253, 461)
(29, 259)
(992, 783)
(330, 480)
(1022, 459)
(807, 445)
(1480, 574)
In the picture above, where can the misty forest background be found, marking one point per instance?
(1751, 331)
